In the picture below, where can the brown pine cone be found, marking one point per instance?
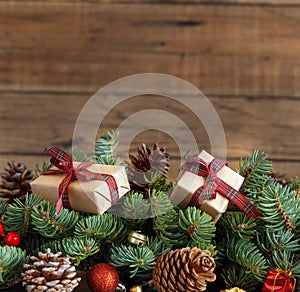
(184, 270)
(147, 162)
(15, 181)
(50, 273)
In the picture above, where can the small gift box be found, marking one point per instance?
(87, 187)
(279, 281)
(210, 185)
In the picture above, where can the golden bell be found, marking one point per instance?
(136, 238)
(136, 289)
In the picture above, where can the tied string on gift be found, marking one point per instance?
(64, 164)
(214, 184)
(279, 281)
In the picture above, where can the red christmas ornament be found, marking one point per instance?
(279, 281)
(12, 239)
(1, 229)
(103, 278)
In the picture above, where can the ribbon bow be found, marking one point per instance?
(64, 164)
(279, 281)
(214, 184)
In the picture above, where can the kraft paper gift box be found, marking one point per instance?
(92, 196)
(189, 183)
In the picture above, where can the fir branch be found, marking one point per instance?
(197, 225)
(17, 217)
(236, 276)
(41, 169)
(280, 208)
(3, 206)
(157, 246)
(106, 226)
(47, 224)
(237, 223)
(248, 256)
(12, 260)
(159, 202)
(137, 259)
(106, 149)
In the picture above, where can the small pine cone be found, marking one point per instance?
(147, 162)
(298, 192)
(15, 181)
(184, 270)
(50, 273)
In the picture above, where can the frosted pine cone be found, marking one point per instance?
(15, 181)
(50, 273)
(184, 270)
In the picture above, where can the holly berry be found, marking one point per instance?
(1, 229)
(12, 239)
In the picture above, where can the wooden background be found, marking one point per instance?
(242, 54)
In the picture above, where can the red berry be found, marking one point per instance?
(1, 229)
(12, 239)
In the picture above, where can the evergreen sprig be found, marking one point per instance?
(49, 225)
(106, 226)
(11, 265)
(3, 206)
(136, 259)
(18, 214)
(247, 255)
(106, 149)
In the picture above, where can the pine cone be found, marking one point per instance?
(184, 270)
(147, 162)
(15, 181)
(50, 273)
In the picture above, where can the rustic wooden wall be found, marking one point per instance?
(243, 54)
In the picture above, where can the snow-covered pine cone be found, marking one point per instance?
(50, 272)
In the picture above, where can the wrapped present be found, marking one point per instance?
(87, 187)
(279, 281)
(210, 184)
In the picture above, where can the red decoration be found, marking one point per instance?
(1, 229)
(279, 281)
(12, 239)
(103, 278)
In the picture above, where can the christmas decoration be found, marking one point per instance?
(121, 287)
(103, 278)
(279, 280)
(12, 238)
(136, 289)
(137, 238)
(147, 162)
(246, 250)
(184, 270)
(233, 290)
(213, 194)
(1, 229)
(50, 272)
(100, 185)
(12, 260)
(15, 181)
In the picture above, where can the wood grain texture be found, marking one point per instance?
(78, 47)
(243, 54)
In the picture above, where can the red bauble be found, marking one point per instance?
(1, 229)
(103, 278)
(12, 239)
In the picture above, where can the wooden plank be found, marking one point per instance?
(29, 122)
(233, 50)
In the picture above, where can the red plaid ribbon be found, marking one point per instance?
(63, 161)
(213, 184)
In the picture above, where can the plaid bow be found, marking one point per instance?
(63, 161)
(214, 184)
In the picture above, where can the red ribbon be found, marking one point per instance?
(279, 281)
(214, 184)
(63, 161)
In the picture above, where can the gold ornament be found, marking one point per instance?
(136, 289)
(137, 238)
(235, 289)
